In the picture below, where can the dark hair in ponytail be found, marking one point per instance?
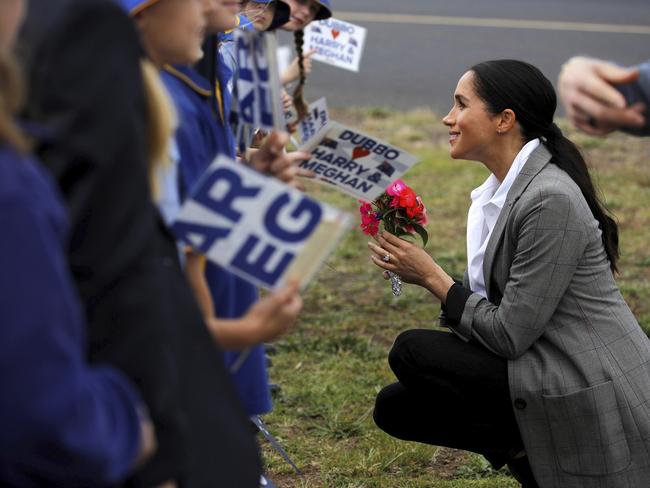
(298, 95)
(521, 87)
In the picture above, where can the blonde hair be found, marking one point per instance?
(161, 121)
(11, 99)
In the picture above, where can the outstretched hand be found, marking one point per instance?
(271, 159)
(411, 263)
(593, 104)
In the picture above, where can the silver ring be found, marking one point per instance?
(386, 258)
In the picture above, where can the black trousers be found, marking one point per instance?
(450, 393)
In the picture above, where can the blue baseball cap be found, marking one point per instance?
(134, 7)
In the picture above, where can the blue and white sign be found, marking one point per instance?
(257, 227)
(336, 42)
(257, 88)
(355, 163)
(317, 118)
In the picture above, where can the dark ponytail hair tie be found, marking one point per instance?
(552, 132)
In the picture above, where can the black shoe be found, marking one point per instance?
(522, 472)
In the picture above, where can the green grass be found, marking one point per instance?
(333, 363)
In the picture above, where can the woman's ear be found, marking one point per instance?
(507, 120)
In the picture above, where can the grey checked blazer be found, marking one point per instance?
(579, 364)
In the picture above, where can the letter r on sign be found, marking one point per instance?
(235, 190)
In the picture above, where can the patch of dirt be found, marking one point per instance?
(446, 462)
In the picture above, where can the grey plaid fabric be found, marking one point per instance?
(579, 364)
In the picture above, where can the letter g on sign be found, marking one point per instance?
(306, 210)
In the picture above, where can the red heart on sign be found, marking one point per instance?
(335, 33)
(360, 152)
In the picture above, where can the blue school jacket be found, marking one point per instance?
(62, 423)
(200, 137)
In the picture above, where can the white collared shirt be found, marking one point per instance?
(487, 202)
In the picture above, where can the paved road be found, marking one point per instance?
(416, 53)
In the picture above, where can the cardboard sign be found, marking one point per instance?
(336, 42)
(291, 115)
(355, 163)
(257, 227)
(317, 118)
(257, 88)
(284, 55)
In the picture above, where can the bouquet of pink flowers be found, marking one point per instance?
(403, 214)
(400, 209)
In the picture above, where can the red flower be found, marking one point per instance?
(417, 211)
(369, 219)
(407, 199)
(400, 209)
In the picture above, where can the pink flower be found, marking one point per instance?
(371, 228)
(365, 207)
(423, 219)
(396, 188)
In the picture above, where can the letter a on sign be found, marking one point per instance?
(257, 227)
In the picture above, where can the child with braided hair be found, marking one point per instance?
(303, 12)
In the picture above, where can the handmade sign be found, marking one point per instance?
(355, 163)
(316, 119)
(284, 55)
(336, 42)
(257, 227)
(257, 88)
(291, 115)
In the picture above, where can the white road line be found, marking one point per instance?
(499, 23)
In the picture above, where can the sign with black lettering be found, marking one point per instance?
(316, 119)
(257, 227)
(336, 42)
(355, 163)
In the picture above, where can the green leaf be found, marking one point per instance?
(422, 233)
(389, 213)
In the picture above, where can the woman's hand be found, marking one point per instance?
(411, 263)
